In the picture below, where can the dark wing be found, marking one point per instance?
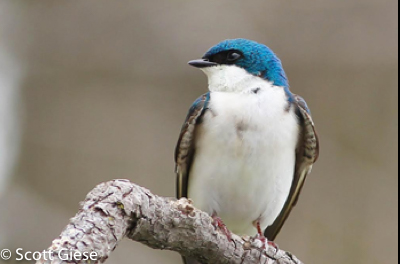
(307, 153)
(185, 148)
(184, 151)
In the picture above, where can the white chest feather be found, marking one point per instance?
(245, 155)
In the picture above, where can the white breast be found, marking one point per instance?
(245, 156)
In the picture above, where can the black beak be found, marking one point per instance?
(202, 63)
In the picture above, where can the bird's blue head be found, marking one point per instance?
(257, 59)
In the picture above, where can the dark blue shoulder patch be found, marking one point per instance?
(201, 103)
(302, 103)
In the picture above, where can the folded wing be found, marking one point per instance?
(307, 153)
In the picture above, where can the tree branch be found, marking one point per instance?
(119, 209)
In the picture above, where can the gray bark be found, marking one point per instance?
(119, 209)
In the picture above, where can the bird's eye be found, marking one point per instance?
(233, 56)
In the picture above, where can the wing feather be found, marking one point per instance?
(185, 148)
(307, 154)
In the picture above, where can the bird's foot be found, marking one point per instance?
(266, 243)
(219, 224)
(263, 239)
(274, 245)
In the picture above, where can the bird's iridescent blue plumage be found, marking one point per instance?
(258, 60)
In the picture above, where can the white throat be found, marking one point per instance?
(230, 78)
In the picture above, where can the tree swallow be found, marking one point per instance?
(247, 145)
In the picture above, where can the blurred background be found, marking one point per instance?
(96, 90)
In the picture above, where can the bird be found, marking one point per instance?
(248, 144)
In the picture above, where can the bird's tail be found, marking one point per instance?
(189, 261)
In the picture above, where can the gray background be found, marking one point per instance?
(97, 90)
